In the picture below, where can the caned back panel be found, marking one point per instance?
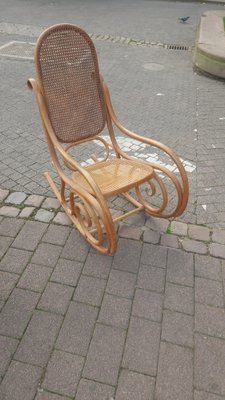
(68, 72)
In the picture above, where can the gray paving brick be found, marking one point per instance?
(209, 364)
(97, 265)
(30, 235)
(121, 283)
(44, 215)
(128, 254)
(129, 232)
(106, 352)
(134, 386)
(35, 277)
(56, 235)
(115, 311)
(217, 250)
(193, 246)
(51, 203)
(154, 255)
(218, 236)
(15, 260)
(147, 305)
(3, 194)
(5, 242)
(179, 228)
(137, 220)
(177, 328)
(90, 290)
(9, 211)
(93, 390)
(17, 311)
(77, 329)
(179, 298)
(76, 248)
(175, 373)
(62, 219)
(210, 320)
(209, 292)
(142, 346)
(43, 395)
(206, 396)
(34, 200)
(56, 298)
(180, 268)
(151, 278)
(16, 198)
(26, 212)
(7, 283)
(157, 224)
(169, 241)
(199, 232)
(151, 237)
(7, 349)
(1, 304)
(208, 267)
(38, 340)
(67, 272)
(63, 373)
(47, 254)
(20, 382)
(10, 226)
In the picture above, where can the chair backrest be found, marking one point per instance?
(68, 73)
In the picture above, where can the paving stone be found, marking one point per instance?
(56, 298)
(151, 278)
(209, 364)
(17, 311)
(209, 292)
(90, 390)
(217, 250)
(157, 224)
(34, 200)
(97, 265)
(208, 267)
(7, 283)
(151, 237)
(199, 232)
(121, 284)
(50, 203)
(218, 236)
(7, 349)
(15, 260)
(142, 346)
(77, 329)
(130, 232)
(43, 395)
(90, 290)
(16, 198)
(206, 396)
(10, 227)
(179, 298)
(63, 373)
(30, 235)
(3, 194)
(5, 242)
(137, 220)
(148, 305)
(210, 320)
(115, 311)
(180, 268)
(44, 215)
(128, 254)
(38, 340)
(154, 255)
(20, 382)
(8, 211)
(56, 235)
(35, 277)
(169, 241)
(105, 352)
(1, 304)
(134, 386)
(26, 212)
(194, 246)
(175, 373)
(47, 254)
(62, 219)
(76, 248)
(177, 328)
(67, 272)
(179, 228)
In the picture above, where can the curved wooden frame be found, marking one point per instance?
(87, 208)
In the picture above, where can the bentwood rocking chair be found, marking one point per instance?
(75, 107)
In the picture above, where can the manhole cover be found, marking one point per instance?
(16, 49)
(153, 67)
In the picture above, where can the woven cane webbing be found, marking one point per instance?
(116, 176)
(68, 72)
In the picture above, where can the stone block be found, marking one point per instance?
(67, 272)
(115, 311)
(147, 305)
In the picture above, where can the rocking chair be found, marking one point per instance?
(75, 107)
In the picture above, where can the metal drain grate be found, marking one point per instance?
(177, 47)
(15, 49)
